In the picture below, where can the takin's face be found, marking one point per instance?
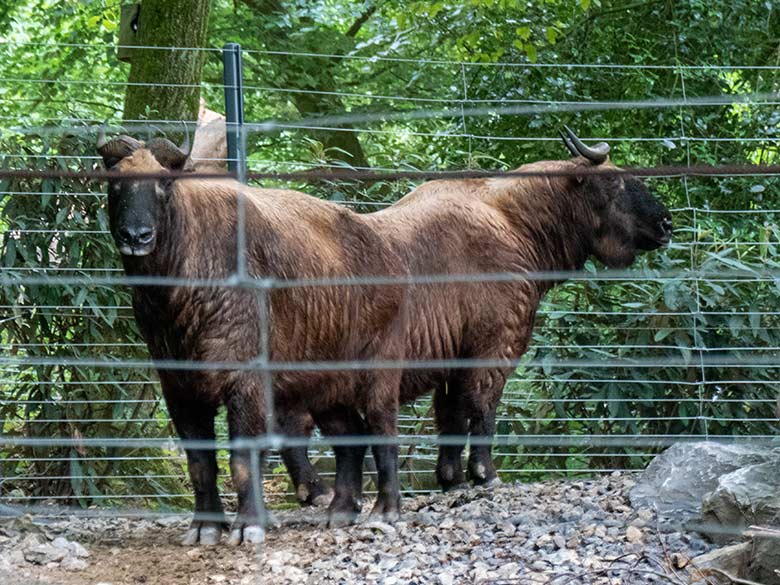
(136, 206)
(630, 220)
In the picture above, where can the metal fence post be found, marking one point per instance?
(234, 109)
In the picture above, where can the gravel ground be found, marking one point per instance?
(558, 532)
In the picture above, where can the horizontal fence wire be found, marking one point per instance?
(604, 387)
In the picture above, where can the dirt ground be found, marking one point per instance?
(557, 533)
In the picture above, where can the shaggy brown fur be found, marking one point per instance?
(488, 226)
(444, 227)
(501, 225)
(289, 236)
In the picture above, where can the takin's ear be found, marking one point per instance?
(580, 164)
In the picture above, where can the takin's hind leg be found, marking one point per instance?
(310, 490)
(195, 422)
(382, 421)
(347, 502)
(453, 426)
(485, 390)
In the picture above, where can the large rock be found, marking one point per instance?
(764, 566)
(749, 496)
(731, 559)
(676, 481)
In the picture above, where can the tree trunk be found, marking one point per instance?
(343, 145)
(169, 80)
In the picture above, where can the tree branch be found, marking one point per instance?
(358, 24)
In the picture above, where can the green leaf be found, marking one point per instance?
(523, 32)
(530, 50)
(10, 253)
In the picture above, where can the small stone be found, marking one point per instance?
(645, 514)
(42, 554)
(168, 521)
(633, 534)
(382, 527)
(74, 564)
(16, 557)
(446, 578)
(78, 550)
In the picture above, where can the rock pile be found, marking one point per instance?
(23, 543)
(556, 532)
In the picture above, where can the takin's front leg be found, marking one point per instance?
(195, 421)
(310, 490)
(246, 420)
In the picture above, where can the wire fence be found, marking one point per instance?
(682, 346)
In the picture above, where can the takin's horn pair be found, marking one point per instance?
(166, 152)
(596, 154)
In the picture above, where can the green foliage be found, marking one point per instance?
(442, 56)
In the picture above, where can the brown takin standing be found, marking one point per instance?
(495, 226)
(186, 228)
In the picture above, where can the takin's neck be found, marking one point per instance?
(552, 227)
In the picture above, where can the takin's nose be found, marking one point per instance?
(136, 236)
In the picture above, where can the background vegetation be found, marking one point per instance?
(59, 78)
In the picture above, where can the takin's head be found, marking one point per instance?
(136, 205)
(626, 217)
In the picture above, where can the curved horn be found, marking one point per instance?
(168, 154)
(185, 146)
(568, 144)
(115, 150)
(101, 139)
(597, 154)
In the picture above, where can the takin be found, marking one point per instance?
(186, 229)
(465, 227)
(524, 224)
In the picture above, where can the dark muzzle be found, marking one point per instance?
(135, 240)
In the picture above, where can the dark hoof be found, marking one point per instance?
(343, 513)
(450, 476)
(483, 475)
(491, 483)
(387, 509)
(205, 533)
(246, 533)
(314, 494)
(323, 500)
